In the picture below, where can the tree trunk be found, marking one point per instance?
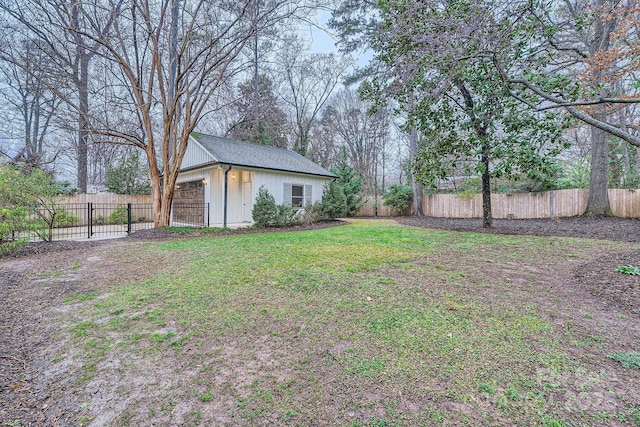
(416, 208)
(156, 193)
(83, 121)
(487, 218)
(598, 203)
(165, 209)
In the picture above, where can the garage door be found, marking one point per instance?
(188, 203)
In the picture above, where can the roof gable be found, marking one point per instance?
(229, 152)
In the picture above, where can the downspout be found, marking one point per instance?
(226, 190)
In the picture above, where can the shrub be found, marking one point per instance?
(119, 216)
(398, 196)
(63, 218)
(349, 183)
(334, 201)
(7, 247)
(267, 214)
(471, 185)
(129, 177)
(28, 203)
(14, 220)
(265, 211)
(575, 175)
(313, 213)
(287, 215)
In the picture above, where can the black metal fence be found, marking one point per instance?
(87, 220)
(190, 214)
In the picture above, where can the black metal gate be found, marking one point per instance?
(87, 220)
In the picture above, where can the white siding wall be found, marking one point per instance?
(234, 199)
(272, 180)
(217, 194)
(235, 213)
(195, 155)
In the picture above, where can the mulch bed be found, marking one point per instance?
(161, 233)
(41, 248)
(603, 228)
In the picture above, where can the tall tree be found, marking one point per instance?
(356, 22)
(581, 53)
(347, 122)
(462, 104)
(28, 101)
(60, 31)
(210, 38)
(261, 120)
(416, 186)
(307, 81)
(551, 50)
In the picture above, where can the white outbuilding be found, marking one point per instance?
(220, 178)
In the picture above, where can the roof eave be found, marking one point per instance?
(210, 164)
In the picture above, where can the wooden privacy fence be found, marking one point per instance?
(547, 204)
(108, 198)
(107, 205)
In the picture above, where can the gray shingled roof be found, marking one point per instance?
(229, 152)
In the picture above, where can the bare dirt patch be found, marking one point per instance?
(598, 277)
(35, 283)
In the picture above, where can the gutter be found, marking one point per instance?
(226, 192)
(209, 164)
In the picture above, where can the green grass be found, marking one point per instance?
(628, 269)
(367, 324)
(627, 360)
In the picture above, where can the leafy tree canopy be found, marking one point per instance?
(457, 100)
(128, 177)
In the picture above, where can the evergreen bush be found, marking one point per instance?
(398, 196)
(349, 182)
(119, 216)
(64, 218)
(265, 211)
(334, 201)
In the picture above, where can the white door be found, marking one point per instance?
(247, 202)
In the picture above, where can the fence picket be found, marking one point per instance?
(547, 204)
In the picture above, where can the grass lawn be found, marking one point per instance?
(368, 324)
